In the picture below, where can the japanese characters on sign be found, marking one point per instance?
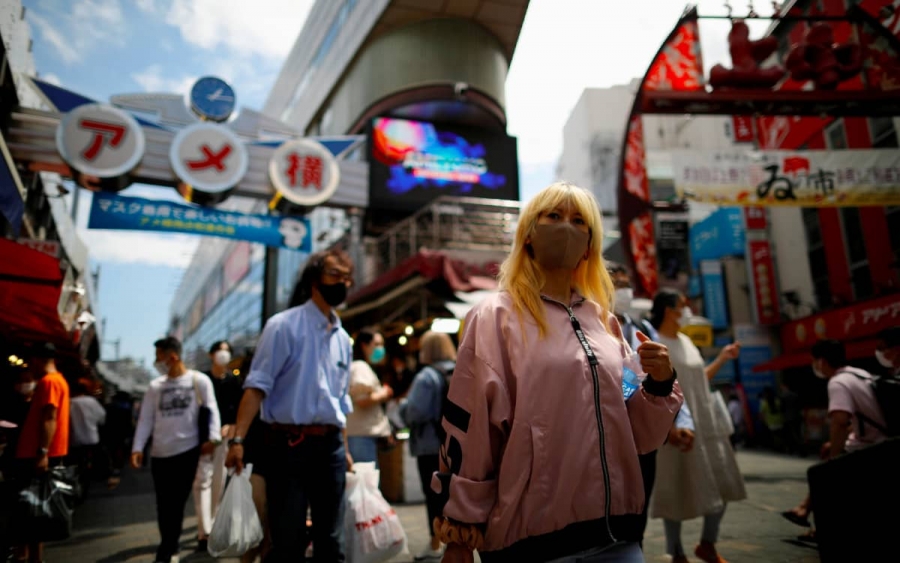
(765, 290)
(48, 247)
(100, 140)
(804, 178)
(209, 158)
(110, 211)
(742, 128)
(854, 322)
(304, 172)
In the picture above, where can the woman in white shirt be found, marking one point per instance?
(368, 421)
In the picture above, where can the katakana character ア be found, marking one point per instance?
(113, 133)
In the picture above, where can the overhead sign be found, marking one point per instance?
(304, 172)
(719, 235)
(848, 323)
(209, 158)
(48, 247)
(715, 303)
(765, 290)
(100, 140)
(110, 211)
(849, 178)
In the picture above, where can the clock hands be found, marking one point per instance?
(217, 96)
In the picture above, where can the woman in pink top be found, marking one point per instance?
(540, 461)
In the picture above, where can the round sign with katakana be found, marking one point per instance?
(304, 172)
(208, 157)
(100, 140)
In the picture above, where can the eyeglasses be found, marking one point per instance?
(338, 275)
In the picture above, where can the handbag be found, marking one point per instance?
(44, 508)
(204, 415)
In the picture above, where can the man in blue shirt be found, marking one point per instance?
(682, 432)
(298, 383)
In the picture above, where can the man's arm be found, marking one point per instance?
(247, 411)
(840, 431)
(48, 431)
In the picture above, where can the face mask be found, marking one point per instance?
(334, 294)
(26, 388)
(161, 367)
(882, 359)
(819, 373)
(222, 357)
(559, 246)
(685, 318)
(377, 355)
(624, 296)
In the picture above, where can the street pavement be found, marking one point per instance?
(119, 526)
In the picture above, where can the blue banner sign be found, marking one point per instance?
(715, 305)
(110, 211)
(719, 235)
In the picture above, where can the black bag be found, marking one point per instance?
(853, 504)
(445, 374)
(44, 508)
(887, 393)
(204, 415)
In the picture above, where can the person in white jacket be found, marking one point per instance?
(170, 412)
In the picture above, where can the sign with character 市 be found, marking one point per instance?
(845, 178)
(109, 211)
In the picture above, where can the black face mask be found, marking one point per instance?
(334, 294)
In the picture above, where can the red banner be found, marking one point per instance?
(742, 126)
(849, 323)
(765, 290)
(755, 218)
(679, 66)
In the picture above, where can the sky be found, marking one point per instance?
(100, 48)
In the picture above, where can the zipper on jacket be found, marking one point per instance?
(592, 360)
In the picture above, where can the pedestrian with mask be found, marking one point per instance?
(887, 351)
(540, 462)
(682, 433)
(299, 381)
(209, 484)
(172, 412)
(702, 480)
(368, 423)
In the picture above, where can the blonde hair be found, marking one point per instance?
(520, 274)
(436, 347)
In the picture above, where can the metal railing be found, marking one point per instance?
(448, 223)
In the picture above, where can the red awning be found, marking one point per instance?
(30, 285)
(855, 351)
(430, 265)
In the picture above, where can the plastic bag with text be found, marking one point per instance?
(236, 528)
(372, 528)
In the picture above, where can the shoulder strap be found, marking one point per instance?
(863, 419)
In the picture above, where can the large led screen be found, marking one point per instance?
(414, 162)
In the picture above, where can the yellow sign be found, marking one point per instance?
(700, 335)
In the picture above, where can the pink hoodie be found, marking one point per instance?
(523, 433)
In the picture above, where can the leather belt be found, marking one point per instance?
(307, 429)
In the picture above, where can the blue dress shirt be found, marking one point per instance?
(302, 365)
(683, 419)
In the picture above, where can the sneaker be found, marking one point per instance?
(201, 546)
(429, 554)
(707, 552)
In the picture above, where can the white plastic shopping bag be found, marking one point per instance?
(372, 529)
(236, 528)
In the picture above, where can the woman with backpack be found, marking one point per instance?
(422, 412)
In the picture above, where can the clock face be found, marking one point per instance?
(212, 98)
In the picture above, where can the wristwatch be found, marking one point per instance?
(236, 441)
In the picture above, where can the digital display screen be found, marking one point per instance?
(414, 162)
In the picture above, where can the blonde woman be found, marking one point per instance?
(422, 412)
(541, 457)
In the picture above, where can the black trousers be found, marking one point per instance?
(648, 472)
(172, 479)
(428, 465)
(311, 474)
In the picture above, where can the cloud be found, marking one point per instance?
(152, 79)
(51, 78)
(87, 25)
(244, 28)
(146, 6)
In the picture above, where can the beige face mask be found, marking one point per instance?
(559, 246)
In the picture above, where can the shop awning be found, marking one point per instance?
(30, 285)
(855, 351)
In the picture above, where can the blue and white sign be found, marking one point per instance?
(715, 305)
(110, 211)
(719, 235)
(756, 348)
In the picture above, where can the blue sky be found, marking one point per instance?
(101, 48)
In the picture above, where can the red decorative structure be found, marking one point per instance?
(746, 57)
(820, 59)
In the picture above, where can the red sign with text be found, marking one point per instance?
(765, 290)
(742, 126)
(849, 323)
(755, 218)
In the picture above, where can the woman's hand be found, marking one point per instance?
(457, 553)
(655, 359)
(731, 352)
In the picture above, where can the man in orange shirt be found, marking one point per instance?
(45, 434)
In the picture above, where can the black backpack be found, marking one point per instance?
(887, 393)
(445, 374)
